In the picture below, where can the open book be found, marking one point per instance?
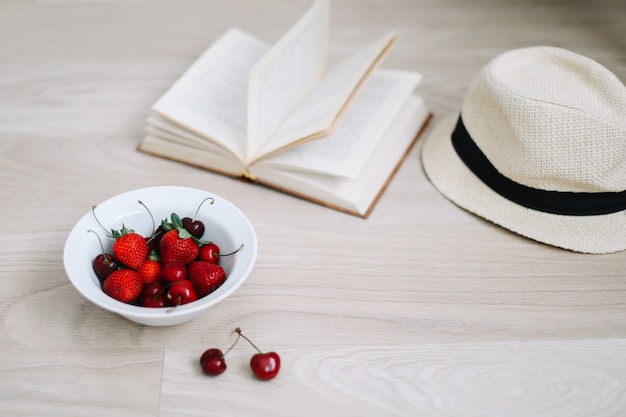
(280, 116)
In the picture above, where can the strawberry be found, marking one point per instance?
(124, 285)
(149, 271)
(178, 247)
(129, 248)
(205, 276)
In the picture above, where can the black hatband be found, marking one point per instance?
(556, 202)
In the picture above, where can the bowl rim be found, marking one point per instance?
(75, 271)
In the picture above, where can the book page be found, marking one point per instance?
(194, 156)
(163, 129)
(210, 99)
(345, 153)
(286, 74)
(322, 111)
(358, 195)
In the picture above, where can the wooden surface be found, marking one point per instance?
(421, 310)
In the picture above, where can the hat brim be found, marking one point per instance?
(588, 234)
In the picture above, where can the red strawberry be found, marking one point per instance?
(150, 271)
(130, 248)
(177, 247)
(205, 276)
(124, 285)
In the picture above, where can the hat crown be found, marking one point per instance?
(550, 119)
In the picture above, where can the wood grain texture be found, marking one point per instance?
(94, 382)
(581, 378)
(422, 309)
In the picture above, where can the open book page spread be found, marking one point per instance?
(285, 75)
(321, 111)
(277, 117)
(359, 195)
(345, 152)
(210, 99)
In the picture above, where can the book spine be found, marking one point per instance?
(245, 174)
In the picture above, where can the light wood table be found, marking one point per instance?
(421, 310)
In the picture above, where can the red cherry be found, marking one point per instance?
(153, 295)
(181, 292)
(103, 265)
(173, 272)
(154, 240)
(212, 362)
(265, 365)
(154, 289)
(209, 253)
(156, 302)
(194, 227)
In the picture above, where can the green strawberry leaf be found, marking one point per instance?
(183, 233)
(166, 226)
(116, 234)
(201, 242)
(176, 221)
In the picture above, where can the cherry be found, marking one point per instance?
(265, 365)
(173, 272)
(154, 240)
(103, 264)
(210, 252)
(181, 292)
(154, 289)
(157, 302)
(212, 362)
(193, 226)
(153, 295)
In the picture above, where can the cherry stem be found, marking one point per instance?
(233, 252)
(200, 205)
(233, 345)
(238, 330)
(172, 308)
(165, 287)
(93, 210)
(151, 217)
(101, 246)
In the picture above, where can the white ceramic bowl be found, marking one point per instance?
(225, 224)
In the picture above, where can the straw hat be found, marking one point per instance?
(539, 147)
